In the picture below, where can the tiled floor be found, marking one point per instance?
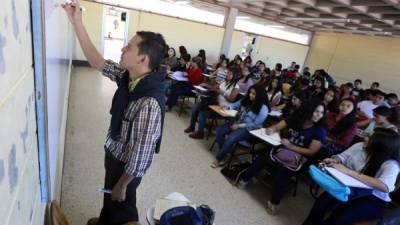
(183, 165)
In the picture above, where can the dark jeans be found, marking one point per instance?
(200, 112)
(234, 136)
(177, 90)
(344, 213)
(114, 212)
(280, 176)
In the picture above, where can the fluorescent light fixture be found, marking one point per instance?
(310, 19)
(244, 17)
(356, 31)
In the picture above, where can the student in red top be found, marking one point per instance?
(341, 129)
(195, 77)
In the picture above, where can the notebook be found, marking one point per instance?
(346, 179)
(229, 112)
(178, 75)
(273, 139)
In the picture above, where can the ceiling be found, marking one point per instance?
(371, 17)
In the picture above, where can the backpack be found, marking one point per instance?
(187, 215)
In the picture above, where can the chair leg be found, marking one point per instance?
(210, 129)
(212, 145)
(232, 155)
(296, 182)
(181, 106)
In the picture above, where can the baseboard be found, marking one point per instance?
(76, 62)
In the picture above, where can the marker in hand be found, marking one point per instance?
(103, 190)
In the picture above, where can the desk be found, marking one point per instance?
(273, 139)
(222, 112)
(177, 76)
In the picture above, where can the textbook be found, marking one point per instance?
(346, 179)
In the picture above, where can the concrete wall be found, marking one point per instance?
(19, 168)
(194, 36)
(348, 57)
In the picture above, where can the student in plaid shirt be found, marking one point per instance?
(137, 111)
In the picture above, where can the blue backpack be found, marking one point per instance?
(184, 215)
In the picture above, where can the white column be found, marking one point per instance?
(229, 28)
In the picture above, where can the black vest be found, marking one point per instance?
(152, 85)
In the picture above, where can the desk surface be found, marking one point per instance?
(177, 78)
(218, 109)
(273, 139)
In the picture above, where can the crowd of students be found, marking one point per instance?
(351, 129)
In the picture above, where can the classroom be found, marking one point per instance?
(200, 112)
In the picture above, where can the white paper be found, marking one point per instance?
(273, 139)
(178, 75)
(346, 179)
(275, 113)
(200, 88)
(230, 112)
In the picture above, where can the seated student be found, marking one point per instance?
(358, 92)
(195, 77)
(255, 67)
(297, 100)
(244, 81)
(375, 163)
(253, 110)
(306, 134)
(182, 63)
(375, 85)
(317, 91)
(202, 55)
(294, 72)
(341, 129)
(277, 71)
(220, 73)
(182, 51)
(259, 73)
(384, 117)
(346, 91)
(221, 57)
(171, 61)
(393, 101)
(248, 61)
(330, 100)
(366, 107)
(236, 61)
(227, 93)
(274, 92)
(303, 85)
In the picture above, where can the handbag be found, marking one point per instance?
(330, 184)
(288, 158)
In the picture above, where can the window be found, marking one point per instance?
(256, 25)
(196, 11)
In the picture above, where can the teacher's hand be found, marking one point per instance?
(73, 11)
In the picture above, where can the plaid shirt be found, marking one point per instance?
(144, 117)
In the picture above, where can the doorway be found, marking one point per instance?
(115, 31)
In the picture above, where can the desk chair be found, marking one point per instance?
(183, 100)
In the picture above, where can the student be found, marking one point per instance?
(253, 110)
(248, 61)
(317, 91)
(220, 73)
(171, 61)
(202, 55)
(375, 163)
(277, 71)
(306, 133)
(297, 100)
(221, 57)
(375, 85)
(341, 128)
(366, 107)
(182, 62)
(346, 91)
(195, 77)
(274, 92)
(393, 101)
(330, 100)
(384, 117)
(358, 91)
(182, 51)
(227, 94)
(244, 81)
(259, 73)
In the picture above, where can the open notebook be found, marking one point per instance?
(346, 179)
(273, 139)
